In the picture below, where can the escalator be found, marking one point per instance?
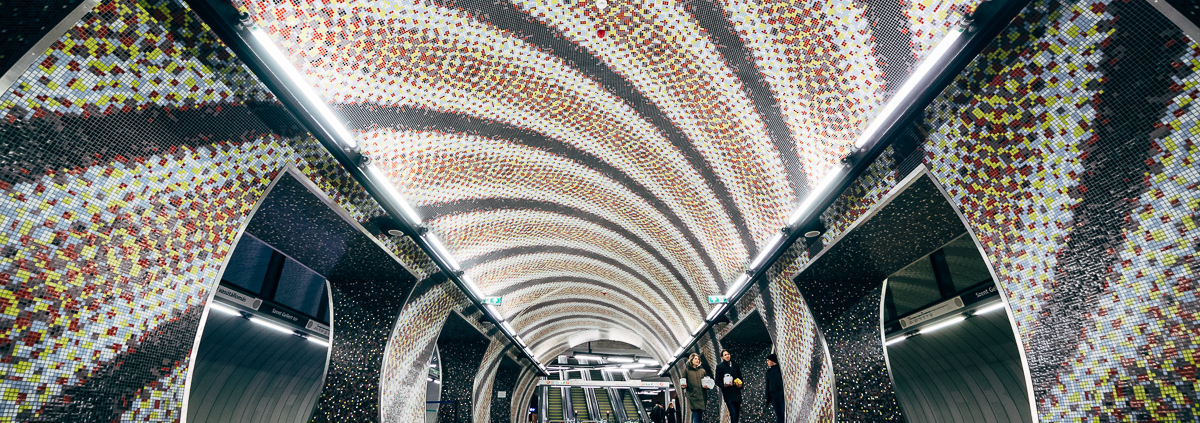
(618, 376)
(604, 404)
(596, 374)
(579, 405)
(554, 404)
(627, 402)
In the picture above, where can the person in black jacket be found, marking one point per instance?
(672, 413)
(657, 414)
(729, 376)
(774, 386)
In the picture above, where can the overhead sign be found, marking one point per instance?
(931, 313)
(718, 299)
(493, 300)
(317, 327)
(604, 383)
(235, 297)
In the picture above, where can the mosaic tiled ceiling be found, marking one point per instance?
(605, 164)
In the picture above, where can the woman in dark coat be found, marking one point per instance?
(694, 376)
(774, 386)
(729, 378)
(672, 413)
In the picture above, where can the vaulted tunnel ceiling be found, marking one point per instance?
(605, 166)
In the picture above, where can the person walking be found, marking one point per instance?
(774, 386)
(729, 375)
(657, 413)
(694, 387)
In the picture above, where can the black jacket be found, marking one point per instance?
(774, 388)
(657, 414)
(672, 415)
(729, 393)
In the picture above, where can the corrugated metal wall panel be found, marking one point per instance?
(249, 373)
(970, 372)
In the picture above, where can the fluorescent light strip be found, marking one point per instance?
(698, 329)
(441, 250)
(835, 173)
(620, 359)
(266, 323)
(935, 327)
(224, 309)
(495, 312)
(587, 357)
(768, 248)
(315, 103)
(678, 352)
(712, 315)
(472, 290)
(507, 328)
(910, 84)
(381, 181)
(895, 340)
(317, 341)
(649, 362)
(997, 306)
(633, 365)
(737, 285)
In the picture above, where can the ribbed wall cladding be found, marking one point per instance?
(250, 373)
(970, 372)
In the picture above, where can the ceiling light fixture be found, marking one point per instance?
(835, 173)
(910, 85)
(999, 305)
(633, 365)
(895, 340)
(737, 285)
(318, 341)
(380, 179)
(619, 359)
(941, 325)
(587, 357)
(716, 312)
(224, 309)
(440, 249)
(310, 99)
(768, 248)
(272, 325)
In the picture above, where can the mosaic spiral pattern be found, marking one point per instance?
(694, 127)
(120, 205)
(671, 137)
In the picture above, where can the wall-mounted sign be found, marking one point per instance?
(230, 295)
(493, 300)
(718, 299)
(317, 327)
(501, 394)
(930, 313)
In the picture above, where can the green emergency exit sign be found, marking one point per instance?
(493, 300)
(717, 299)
